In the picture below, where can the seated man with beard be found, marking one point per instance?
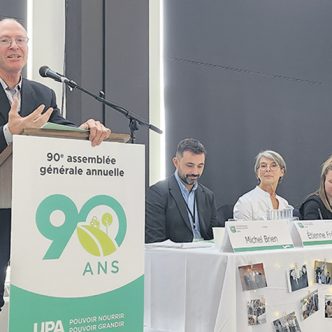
(179, 208)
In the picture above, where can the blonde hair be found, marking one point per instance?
(326, 167)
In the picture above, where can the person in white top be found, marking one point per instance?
(270, 168)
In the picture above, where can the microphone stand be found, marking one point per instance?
(134, 120)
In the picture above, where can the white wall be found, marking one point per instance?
(46, 29)
(157, 144)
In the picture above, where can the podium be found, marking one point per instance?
(77, 245)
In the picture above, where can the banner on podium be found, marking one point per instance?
(77, 260)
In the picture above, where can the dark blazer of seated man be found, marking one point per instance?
(179, 208)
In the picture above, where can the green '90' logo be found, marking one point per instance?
(91, 236)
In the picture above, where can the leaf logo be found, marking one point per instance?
(94, 240)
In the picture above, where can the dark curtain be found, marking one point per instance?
(245, 76)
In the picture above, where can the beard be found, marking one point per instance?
(189, 179)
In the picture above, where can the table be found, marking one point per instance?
(199, 289)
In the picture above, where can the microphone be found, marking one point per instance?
(46, 71)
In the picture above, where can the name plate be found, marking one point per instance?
(258, 235)
(314, 232)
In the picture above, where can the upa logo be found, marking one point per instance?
(93, 232)
(49, 326)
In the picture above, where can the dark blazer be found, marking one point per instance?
(166, 215)
(33, 94)
(310, 208)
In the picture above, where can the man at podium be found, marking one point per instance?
(25, 104)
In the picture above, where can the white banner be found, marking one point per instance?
(77, 236)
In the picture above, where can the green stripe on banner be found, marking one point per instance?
(316, 243)
(119, 310)
(286, 246)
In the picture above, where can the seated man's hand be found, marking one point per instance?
(98, 132)
(36, 119)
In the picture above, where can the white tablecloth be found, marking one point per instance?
(199, 290)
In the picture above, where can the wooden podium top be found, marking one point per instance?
(115, 137)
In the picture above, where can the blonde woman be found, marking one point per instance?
(318, 205)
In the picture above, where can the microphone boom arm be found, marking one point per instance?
(134, 120)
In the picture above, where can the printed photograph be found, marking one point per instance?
(328, 306)
(252, 276)
(256, 312)
(309, 304)
(287, 323)
(323, 272)
(297, 278)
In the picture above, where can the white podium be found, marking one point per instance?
(77, 257)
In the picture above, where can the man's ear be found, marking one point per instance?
(175, 162)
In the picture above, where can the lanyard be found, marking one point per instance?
(192, 214)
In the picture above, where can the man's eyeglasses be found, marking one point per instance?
(19, 41)
(272, 166)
